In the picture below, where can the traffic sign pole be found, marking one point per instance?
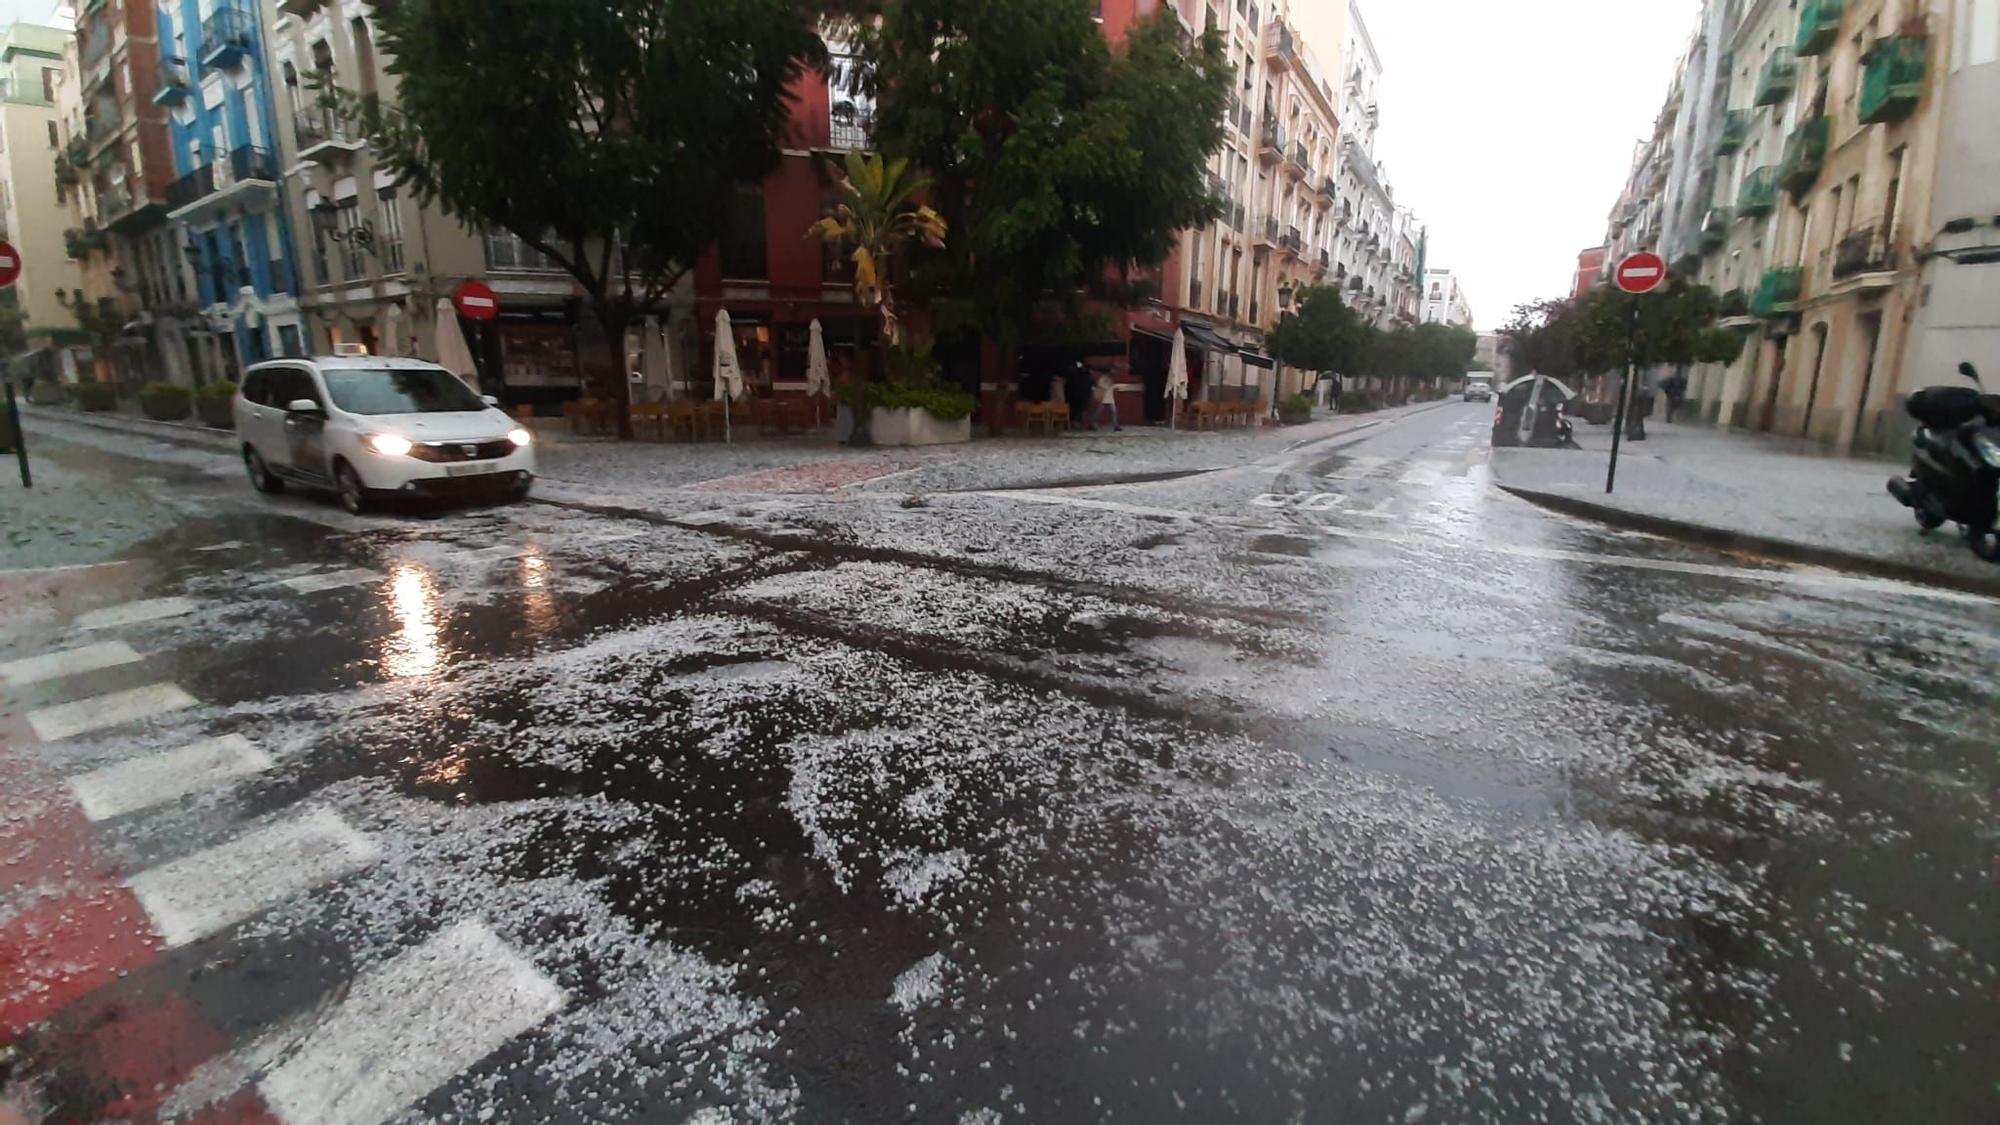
(1638, 275)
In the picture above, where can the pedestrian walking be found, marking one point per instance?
(1104, 397)
(1675, 387)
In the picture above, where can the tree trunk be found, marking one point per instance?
(613, 321)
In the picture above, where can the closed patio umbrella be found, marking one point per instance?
(652, 354)
(819, 381)
(1177, 374)
(728, 373)
(392, 330)
(453, 354)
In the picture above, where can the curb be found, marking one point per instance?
(174, 433)
(1739, 543)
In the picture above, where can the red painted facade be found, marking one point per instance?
(772, 312)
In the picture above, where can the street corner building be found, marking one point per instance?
(1832, 168)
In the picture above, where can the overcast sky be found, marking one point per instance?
(1510, 126)
(1507, 124)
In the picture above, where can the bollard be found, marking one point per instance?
(19, 436)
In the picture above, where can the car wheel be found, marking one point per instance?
(261, 477)
(353, 496)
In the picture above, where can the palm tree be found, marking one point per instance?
(877, 218)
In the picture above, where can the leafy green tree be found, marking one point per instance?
(1674, 327)
(1542, 339)
(1321, 333)
(1057, 158)
(1441, 351)
(611, 137)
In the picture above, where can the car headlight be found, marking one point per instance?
(1989, 450)
(520, 437)
(389, 445)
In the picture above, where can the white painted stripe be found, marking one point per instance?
(67, 720)
(73, 662)
(408, 1026)
(212, 890)
(498, 553)
(1357, 468)
(159, 778)
(135, 613)
(1424, 472)
(315, 583)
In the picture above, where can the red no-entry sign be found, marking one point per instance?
(475, 301)
(1640, 273)
(10, 264)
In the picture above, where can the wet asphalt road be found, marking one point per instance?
(1335, 787)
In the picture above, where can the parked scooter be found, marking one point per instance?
(1955, 465)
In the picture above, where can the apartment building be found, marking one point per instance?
(1846, 205)
(117, 170)
(374, 263)
(226, 203)
(32, 217)
(1444, 300)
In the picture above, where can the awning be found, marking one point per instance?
(1201, 337)
(1255, 360)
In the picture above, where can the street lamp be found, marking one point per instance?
(1285, 292)
(326, 220)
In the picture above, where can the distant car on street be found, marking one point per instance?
(1479, 390)
(366, 428)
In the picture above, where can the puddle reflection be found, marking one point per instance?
(414, 650)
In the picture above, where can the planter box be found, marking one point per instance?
(907, 426)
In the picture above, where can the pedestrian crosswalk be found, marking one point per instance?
(386, 1038)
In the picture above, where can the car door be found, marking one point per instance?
(305, 430)
(253, 419)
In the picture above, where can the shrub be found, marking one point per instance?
(913, 383)
(215, 403)
(1296, 409)
(48, 392)
(1360, 402)
(165, 402)
(95, 397)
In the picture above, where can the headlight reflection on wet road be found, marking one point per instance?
(414, 650)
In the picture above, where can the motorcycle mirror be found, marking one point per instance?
(1969, 371)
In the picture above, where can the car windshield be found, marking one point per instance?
(421, 390)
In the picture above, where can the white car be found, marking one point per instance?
(367, 427)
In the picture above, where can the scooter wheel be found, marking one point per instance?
(1927, 519)
(1984, 542)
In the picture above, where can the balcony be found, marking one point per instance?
(1778, 294)
(1805, 155)
(246, 176)
(174, 81)
(1296, 159)
(226, 36)
(80, 242)
(1326, 190)
(1325, 260)
(101, 123)
(1819, 27)
(1292, 242)
(1278, 46)
(1271, 146)
(851, 124)
(1735, 132)
(1893, 82)
(1779, 78)
(1759, 196)
(1715, 229)
(1217, 186)
(321, 133)
(1268, 235)
(1734, 306)
(1864, 252)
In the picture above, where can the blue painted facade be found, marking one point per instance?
(228, 197)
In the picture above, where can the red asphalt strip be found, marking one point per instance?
(88, 932)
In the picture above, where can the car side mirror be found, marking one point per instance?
(302, 406)
(490, 400)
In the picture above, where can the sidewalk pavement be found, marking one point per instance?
(639, 473)
(1748, 493)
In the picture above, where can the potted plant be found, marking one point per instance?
(48, 392)
(95, 397)
(1296, 409)
(913, 406)
(165, 402)
(877, 216)
(215, 404)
